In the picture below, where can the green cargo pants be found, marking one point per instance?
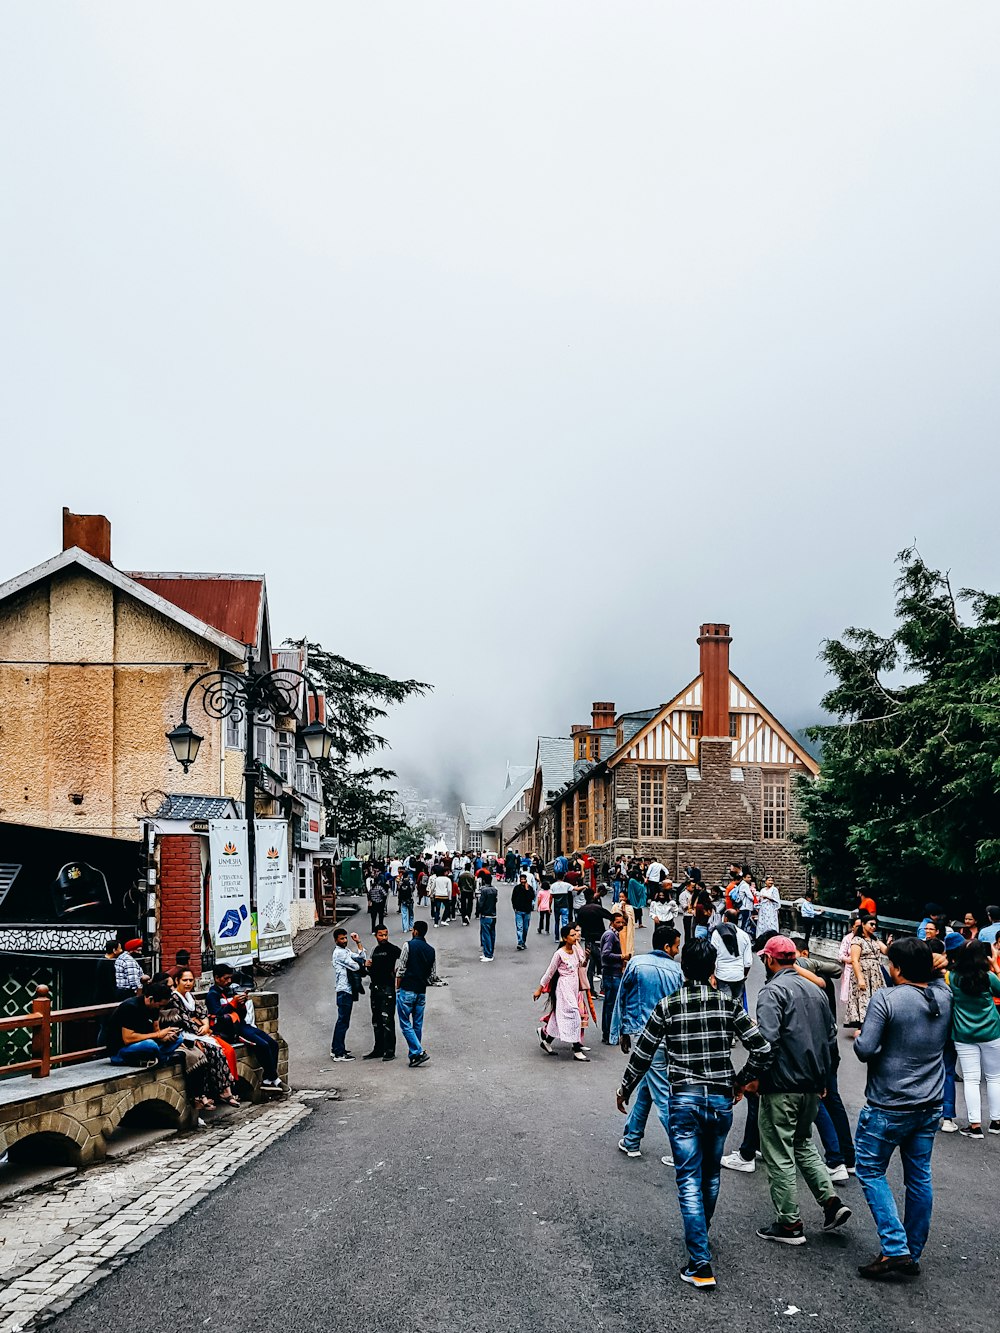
(786, 1142)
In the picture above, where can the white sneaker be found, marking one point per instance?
(949, 1126)
(734, 1162)
(839, 1174)
(629, 1152)
(667, 1160)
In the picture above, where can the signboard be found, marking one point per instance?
(274, 891)
(309, 835)
(53, 878)
(229, 905)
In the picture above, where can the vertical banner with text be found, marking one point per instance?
(274, 892)
(229, 902)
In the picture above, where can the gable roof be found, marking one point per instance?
(73, 555)
(476, 816)
(555, 762)
(786, 750)
(232, 603)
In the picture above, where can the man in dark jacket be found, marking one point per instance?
(486, 910)
(591, 919)
(522, 900)
(793, 1015)
(382, 975)
(416, 968)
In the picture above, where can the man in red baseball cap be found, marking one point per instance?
(793, 1015)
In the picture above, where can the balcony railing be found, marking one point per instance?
(836, 922)
(39, 1021)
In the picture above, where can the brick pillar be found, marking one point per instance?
(181, 903)
(714, 641)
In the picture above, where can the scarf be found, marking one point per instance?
(727, 933)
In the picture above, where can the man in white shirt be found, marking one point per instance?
(733, 956)
(439, 888)
(656, 874)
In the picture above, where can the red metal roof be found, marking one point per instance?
(231, 604)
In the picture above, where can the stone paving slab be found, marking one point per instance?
(58, 1242)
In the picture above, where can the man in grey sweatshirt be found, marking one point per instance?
(902, 1042)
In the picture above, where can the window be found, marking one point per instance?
(775, 806)
(583, 827)
(303, 886)
(262, 741)
(651, 801)
(286, 756)
(695, 724)
(475, 842)
(734, 725)
(595, 752)
(599, 818)
(236, 732)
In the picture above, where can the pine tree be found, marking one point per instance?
(360, 806)
(908, 800)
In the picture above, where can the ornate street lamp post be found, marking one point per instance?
(241, 697)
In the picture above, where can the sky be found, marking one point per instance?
(513, 341)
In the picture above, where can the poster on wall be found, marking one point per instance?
(230, 896)
(274, 892)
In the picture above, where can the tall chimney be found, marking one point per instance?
(90, 532)
(602, 715)
(714, 641)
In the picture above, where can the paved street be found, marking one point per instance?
(485, 1190)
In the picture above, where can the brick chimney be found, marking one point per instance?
(91, 532)
(603, 715)
(714, 641)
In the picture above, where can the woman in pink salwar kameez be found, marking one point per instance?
(565, 982)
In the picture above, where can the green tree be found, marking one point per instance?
(360, 806)
(908, 800)
(412, 839)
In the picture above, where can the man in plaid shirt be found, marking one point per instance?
(696, 1026)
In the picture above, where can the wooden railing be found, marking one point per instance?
(39, 1020)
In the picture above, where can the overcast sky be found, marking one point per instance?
(512, 341)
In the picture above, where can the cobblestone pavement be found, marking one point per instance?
(58, 1241)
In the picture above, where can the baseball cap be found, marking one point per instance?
(778, 947)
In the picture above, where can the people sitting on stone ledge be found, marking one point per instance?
(190, 1015)
(135, 1035)
(227, 1014)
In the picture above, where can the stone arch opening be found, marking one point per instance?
(45, 1148)
(153, 1106)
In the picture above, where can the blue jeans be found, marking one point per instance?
(410, 1012)
(406, 916)
(609, 991)
(522, 924)
(562, 919)
(950, 1061)
(488, 935)
(345, 1003)
(653, 1090)
(160, 1051)
(699, 1123)
(834, 1127)
(912, 1132)
(617, 891)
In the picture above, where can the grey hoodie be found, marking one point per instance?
(794, 1017)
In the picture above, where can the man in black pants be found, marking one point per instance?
(382, 975)
(591, 918)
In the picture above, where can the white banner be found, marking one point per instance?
(309, 825)
(274, 892)
(229, 902)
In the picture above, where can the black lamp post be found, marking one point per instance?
(232, 694)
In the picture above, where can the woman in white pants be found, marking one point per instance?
(975, 1030)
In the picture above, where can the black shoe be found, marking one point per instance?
(973, 1132)
(372, 1055)
(341, 1058)
(835, 1214)
(885, 1266)
(419, 1060)
(699, 1277)
(785, 1233)
(386, 1058)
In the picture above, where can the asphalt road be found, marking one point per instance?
(486, 1191)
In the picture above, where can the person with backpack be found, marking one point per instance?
(378, 896)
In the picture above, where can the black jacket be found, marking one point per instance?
(522, 897)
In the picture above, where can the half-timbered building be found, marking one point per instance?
(709, 777)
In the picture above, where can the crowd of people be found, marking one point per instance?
(916, 1009)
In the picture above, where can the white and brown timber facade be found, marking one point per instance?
(710, 777)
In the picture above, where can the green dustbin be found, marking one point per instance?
(350, 880)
